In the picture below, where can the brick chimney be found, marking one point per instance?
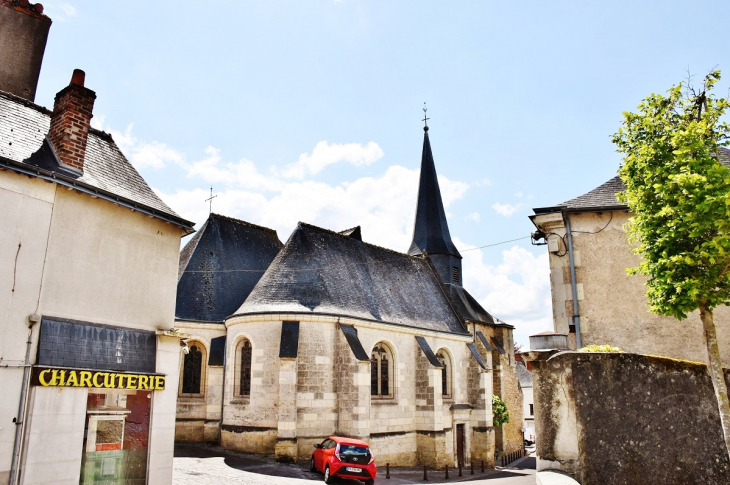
(23, 35)
(70, 121)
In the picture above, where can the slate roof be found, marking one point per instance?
(604, 196)
(23, 128)
(323, 272)
(430, 229)
(523, 375)
(469, 307)
(211, 285)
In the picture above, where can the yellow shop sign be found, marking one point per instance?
(57, 377)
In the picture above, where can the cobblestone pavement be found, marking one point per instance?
(197, 465)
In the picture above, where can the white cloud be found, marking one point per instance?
(506, 209)
(485, 182)
(474, 216)
(516, 291)
(325, 154)
(368, 202)
(519, 193)
(60, 12)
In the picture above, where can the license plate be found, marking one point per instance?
(351, 469)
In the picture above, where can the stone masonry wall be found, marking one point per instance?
(250, 423)
(628, 418)
(197, 417)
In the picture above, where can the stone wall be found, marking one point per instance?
(296, 403)
(198, 416)
(628, 418)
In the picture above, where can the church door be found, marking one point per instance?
(460, 444)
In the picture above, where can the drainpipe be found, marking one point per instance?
(576, 314)
(22, 405)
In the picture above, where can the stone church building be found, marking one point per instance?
(327, 334)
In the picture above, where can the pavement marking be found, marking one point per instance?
(209, 471)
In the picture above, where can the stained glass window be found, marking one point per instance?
(245, 382)
(192, 371)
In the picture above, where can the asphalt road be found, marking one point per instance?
(197, 465)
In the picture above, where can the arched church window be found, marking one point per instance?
(244, 352)
(193, 369)
(381, 371)
(446, 379)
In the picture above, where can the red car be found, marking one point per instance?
(344, 457)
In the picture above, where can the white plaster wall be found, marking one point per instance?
(55, 436)
(162, 418)
(25, 218)
(107, 264)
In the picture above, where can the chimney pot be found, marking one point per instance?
(38, 7)
(78, 77)
(23, 3)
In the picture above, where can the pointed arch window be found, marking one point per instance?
(381, 371)
(446, 378)
(193, 370)
(244, 355)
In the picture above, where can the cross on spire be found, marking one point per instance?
(210, 199)
(425, 117)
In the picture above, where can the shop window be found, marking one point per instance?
(192, 381)
(116, 437)
(446, 379)
(381, 371)
(244, 354)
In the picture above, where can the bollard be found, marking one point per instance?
(447, 472)
(387, 471)
(425, 476)
(472, 467)
(459, 468)
(482, 466)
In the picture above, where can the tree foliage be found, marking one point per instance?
(679, 194)
(500, 414)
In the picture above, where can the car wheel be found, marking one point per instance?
(327, 477)
(312, 468)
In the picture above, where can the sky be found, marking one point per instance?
(311, 110)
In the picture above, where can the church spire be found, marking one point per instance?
(431, 231)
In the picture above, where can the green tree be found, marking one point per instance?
(500, 415)
(679, 194)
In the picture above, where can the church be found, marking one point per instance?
(329, 335)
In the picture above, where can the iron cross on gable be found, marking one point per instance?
(425, 117)
(210, 199)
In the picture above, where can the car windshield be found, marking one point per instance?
(353, 450)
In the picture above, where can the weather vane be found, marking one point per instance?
(425, 117)
(210, 210)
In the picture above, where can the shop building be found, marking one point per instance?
(89, 361)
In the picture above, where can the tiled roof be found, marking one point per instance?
(430, 231)
(220, 266)
(523, 375)
(604, 195)
(469, 307)
(23, 128)
(322, 272)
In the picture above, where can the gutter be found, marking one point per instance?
(576, 313)
(69, 182)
